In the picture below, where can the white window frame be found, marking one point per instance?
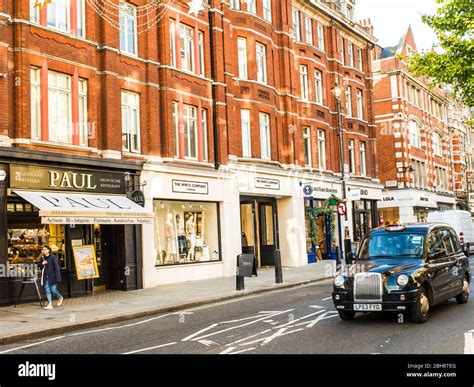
(186, 36)
(190, 124)
(252, 6)
(318, 86)
(351, 148)
(261, 55)
(415, 133)
(267, 10)
(349, 101)
(363, 158)
(321, 43)
(130, 114)
(127, 15)
(342, 50)
(175, 118)
(322, 149)
(201, 52)
(246, 133)
(58, 7)
(350, 53)
(308, 27)
(437, 144)
(60, 127)
(242, 57)
(307, 146)
(296, 24)
(235, 4)
(360, 62)
(34, 12)
(205, 150)
(360, 104)
(35, 95)
(82, 111)
(304, 86)
(265, 141)
(173, 42)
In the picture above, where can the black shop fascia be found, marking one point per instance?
(83, 211)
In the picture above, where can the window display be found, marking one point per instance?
(24, 244)
(186, 232)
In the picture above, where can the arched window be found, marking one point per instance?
(415, 134)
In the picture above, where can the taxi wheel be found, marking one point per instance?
(421, 312)
(463, 297)
(346, 315)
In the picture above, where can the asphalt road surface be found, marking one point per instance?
(296, 321)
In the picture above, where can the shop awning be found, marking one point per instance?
(79, 208)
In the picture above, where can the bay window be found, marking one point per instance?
(363, 160)
(261, 63)
(359, 59)
(360, 111)
(348, 101)
(242, 57)
(350, 53)
(318, 89)
(59, 108)
(322, 149)
(321, 37)
(296, 25)
(251, 6)
(267, 10)
(351, 148)
(308, 26)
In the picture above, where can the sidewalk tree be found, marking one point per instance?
(451, 61)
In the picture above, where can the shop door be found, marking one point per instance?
(248, 227)
(267, 234)
(113, 256)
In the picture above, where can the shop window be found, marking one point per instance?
(25, 243)
(186, 232)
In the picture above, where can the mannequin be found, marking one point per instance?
(181, 235)
(170, 234)
(191, 234)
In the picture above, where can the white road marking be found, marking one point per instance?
(317, 307)
(279, 333)
(127, 325)
(312, 323)
(149, 348)
(299, 319)
(328, 298)
(199, 332)
(33, 345)
(207, 343)
(240, 326)
(244, 350)
(227, 350)
(249, 337)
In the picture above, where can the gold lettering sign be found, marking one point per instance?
(43, 178)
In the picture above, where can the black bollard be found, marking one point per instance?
(239, 279)
(278, 268)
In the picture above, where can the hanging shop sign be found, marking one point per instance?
(265, 183)
(192, 187)
(138, 197)
(61, 179)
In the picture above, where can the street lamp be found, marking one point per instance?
(404, 169)
(347, 239)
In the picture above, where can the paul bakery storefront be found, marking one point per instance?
(84, 216)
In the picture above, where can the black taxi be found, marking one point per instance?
(404, 268)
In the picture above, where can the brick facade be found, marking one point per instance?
(153, 75)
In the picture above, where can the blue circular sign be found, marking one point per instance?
(308, 190)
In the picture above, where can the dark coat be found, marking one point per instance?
(52, 271)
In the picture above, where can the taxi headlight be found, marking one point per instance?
(339, 281)
(402, 279)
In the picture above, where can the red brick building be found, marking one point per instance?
(222, 114)
(412, 128)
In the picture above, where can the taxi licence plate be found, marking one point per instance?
(368, 307)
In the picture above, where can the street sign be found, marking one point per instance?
(308, 190)
(342, 208)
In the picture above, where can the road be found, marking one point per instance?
(297, 321)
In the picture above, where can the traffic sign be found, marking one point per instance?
(342, 208)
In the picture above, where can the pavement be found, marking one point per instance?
(29, 321)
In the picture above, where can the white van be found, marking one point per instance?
(461, 221)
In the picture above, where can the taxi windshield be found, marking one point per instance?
(392, 245)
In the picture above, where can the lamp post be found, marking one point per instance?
(408, 168)
(347, 239)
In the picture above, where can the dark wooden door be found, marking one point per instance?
(267, 232)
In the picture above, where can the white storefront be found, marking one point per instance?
(411, 205)
(205, 218)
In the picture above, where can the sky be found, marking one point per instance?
(391, 18)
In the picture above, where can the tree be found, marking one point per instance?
(452, 61)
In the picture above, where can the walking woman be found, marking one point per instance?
(50, 276)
